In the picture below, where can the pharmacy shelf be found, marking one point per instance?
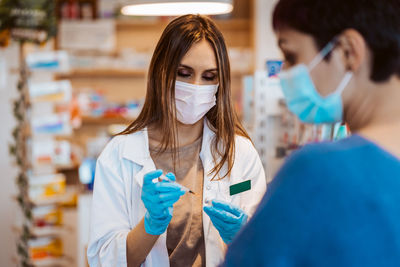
(49, 200)
(90, 120)
(66, 167)
(47, 231)
(64, 199)
(119, 73)
(224, 25)
(42, 231)
(51, 262)
(241, 72)
(102, 73)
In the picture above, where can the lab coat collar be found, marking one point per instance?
(139, 141)
(205, 153)
(136, 149)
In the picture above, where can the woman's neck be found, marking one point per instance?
(187, 134)
(378, 117)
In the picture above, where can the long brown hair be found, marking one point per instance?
(159, 107)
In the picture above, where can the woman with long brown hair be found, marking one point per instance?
(188, 129)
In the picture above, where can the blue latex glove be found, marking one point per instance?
(159, 198)
(227, 218)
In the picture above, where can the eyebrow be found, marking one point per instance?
(185, 66)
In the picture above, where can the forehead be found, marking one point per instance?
(290, 39)
(201, 54)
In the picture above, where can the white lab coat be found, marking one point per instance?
(117, 207)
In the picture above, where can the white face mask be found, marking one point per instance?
(193, 101)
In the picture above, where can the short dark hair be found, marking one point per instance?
(378, 21)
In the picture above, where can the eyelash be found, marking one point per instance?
(183, 75)
(204, 77)
(209, 78)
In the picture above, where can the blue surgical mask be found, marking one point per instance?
(302, 97)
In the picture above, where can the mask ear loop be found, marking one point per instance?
(321, 55)
(343, 84)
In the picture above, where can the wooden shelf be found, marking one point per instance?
(224, 25)
(42, 231)
(54, 200)
(65, 199)
(118, 73)
(67, 167)
(51, 262)
(47, 231)
(241, 72)
(88, 120)
(102, 73)
(234, 24)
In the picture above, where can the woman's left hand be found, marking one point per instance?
(227, 218)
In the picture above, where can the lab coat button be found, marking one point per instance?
(208, 187)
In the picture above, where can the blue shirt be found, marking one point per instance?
(332, 204)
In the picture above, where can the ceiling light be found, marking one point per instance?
(176, 7)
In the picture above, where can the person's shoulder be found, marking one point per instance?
(311, 155)
(244, 147)
(116, 146)
(113, 148)
(321, 158)
(243, 141)
(328, 151)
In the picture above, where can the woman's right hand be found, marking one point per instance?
(159, 198)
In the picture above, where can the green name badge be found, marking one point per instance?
(240, 187)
